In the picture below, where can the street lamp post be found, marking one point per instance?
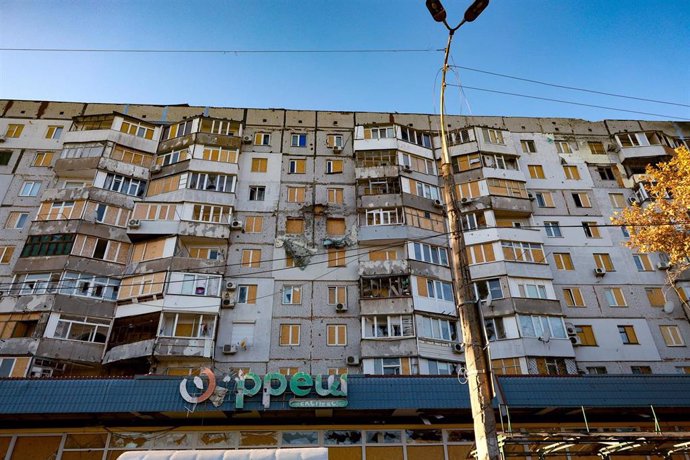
(476, 359)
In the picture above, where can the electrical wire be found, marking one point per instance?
(221, 51)
(569, 102)
(573, 88)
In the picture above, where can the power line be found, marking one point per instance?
(574, 88)
(569, 102)
(221, 51)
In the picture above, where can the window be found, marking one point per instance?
(187, 325)
(375, 327)
(573, 297)
(334, 140)
(215, 126)
(603, 261)
(655, 296)
(82, 328)
(246, 293)
(336, 335)
(532, 291)
(672, 336)
(42, 159)
(194, 284)
(563, 147)
(136, 129)
(251, 258)
(335, 195)
(617, 200)
(383, 217)
(298, 140)
(211, 214)
(419, 164)
(262, 139)
(480, 253)
(297, 166)
(571, 172)
(289, 335)
(39, 283)
(379, 133)
(122, 184)
(336, 257)
(581, 200)
(523, 252)
(551, 366)
(625, 232)
(17, 220)
(553, 230)
(286, 371)
(643, 263)
(101, 249)
(591, 229)
(436, 328)
(641, 370)
(606, 173)
(5, 157)
(423, 219)
(493, 136)
(7, 366)
(506, 366)
(563, 261)
(627, 335)
(335, 226)
(424, 190)
(528, 146)
(536, 171)
(220, 155)
(434, 289)
(48, 245)
(205, 253)
(292, 295)
(87, 285)
(539, 326)
(294, 225)
(431, 254)
(489, 289)
(14, 130)
(544, 199)
(259, 165)
(586, 336)
(495, 329)
(257, 193)
(211, 182)
(334, 166)
(296, 194)
(30, 188)
(177, 130)
(253, 224)
(180, 155)
(504, 187)
(383, 254)
(337, 295)
(597, 370)
(54, 132)
(596, 148)
(628, 140)
(6, 254)
(387, 366)
(614, 297)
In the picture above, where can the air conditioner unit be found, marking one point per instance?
(228, 303)
(340, 307)
(337, 148)
(156, 169)
(236, 225)
(438, 203)
(458, 347)
(464, 200)
(230, 286)
(247, 140)
(352, 361)
(134, 223)
(575, 340)
(229, 349)
(663, 266)
(530, 196)
(599, 272)
(570, 329)
(407, 169)
(632, 200)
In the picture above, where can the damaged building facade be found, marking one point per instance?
(149, 239)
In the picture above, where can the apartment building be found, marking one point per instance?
(163, 239)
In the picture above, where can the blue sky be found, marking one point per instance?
(631, 47)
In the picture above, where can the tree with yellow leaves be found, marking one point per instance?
(663, 224)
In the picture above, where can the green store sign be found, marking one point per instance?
(333, 387)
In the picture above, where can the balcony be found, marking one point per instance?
(100, 135)
(70, 350)
(388, 347)
(511, 305)
(385, 305)
(208, 197)
(376, 172)
(219, 140)
(170, 347)
(438, 350)
(510, 268)
(19, 346)
(151, 228)
(384, 267)
(508, 206)
(179, 264)
(88, 193)
(391, 233)
(630, 154)
(529, 346)
(507, 233)
(130, 351)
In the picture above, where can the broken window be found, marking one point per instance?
(174, 157)
(123, 184)
(87, 285)
(194, 284)
(212, 182)
(187, 325)
(376, 158)
(257, 193)
(82, 328)
(381, 186)
(86, 150)
(387, 326)
(392, 216)
(342, 437)
(392, 286)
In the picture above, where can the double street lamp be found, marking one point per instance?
(477, 360)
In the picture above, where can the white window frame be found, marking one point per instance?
(30, 188)
(553, 230)
(288, 294)
(259, 192)
(100, 325)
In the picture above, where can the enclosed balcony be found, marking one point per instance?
(643, 146)
(186, 219)
(393, 137)
(205, 131)
(118, 128)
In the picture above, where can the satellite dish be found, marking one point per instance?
(668, 307)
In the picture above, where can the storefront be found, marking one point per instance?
(353, 418)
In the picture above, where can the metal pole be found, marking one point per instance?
(478, 366)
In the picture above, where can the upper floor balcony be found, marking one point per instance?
(393, 137)
(186, 219)
(117, 128)
(206, 131)
(479, 139)
(643, 145)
